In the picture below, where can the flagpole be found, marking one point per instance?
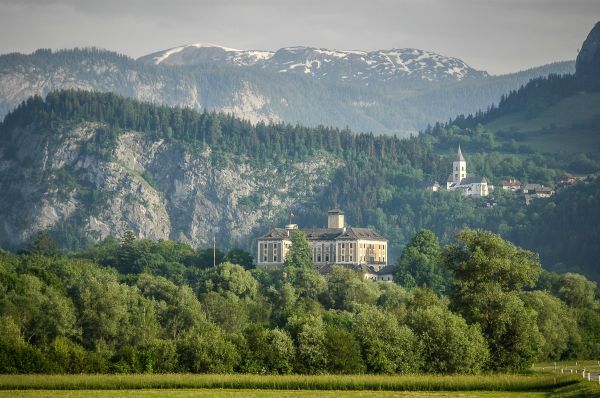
(214, 251)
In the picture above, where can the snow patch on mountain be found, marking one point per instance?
(321, 63)
(159, 58)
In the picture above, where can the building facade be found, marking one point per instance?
(335, 244)
(470, 185)
(512, 185)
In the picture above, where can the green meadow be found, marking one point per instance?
(261, 394)
(351, 386)
(570, 125)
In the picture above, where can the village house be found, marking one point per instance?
(360, 249)
(432, 186)
(536, 191)
(470, 185)
(512, 185)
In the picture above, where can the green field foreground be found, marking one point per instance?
(270, 386)
(494, 382)
(182, 393)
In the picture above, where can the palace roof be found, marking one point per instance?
(327, 234)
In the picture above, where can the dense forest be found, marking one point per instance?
(381, 182)
(133, 305)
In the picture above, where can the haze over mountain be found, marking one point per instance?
(391, 91)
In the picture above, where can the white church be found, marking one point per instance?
(471, 185)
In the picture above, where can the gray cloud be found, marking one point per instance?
(496, 35)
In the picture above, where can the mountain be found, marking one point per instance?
(394, 101)
(90, 165)
(332, 65)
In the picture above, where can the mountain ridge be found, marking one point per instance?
(403, 107)
(321, 63)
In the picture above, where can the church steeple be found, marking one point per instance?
(459, 168)
(460, 156)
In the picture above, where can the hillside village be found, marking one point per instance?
(365, 251)
(477, 186)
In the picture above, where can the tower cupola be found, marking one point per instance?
(335, 219)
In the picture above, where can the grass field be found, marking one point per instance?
(262, 394)
(495, 382)
(563, 122)
(573, 364)
(535, 385)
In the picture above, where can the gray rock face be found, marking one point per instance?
(160, 190)
(588, 61)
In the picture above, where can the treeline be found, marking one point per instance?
(217, 130)
(531, 98)
(141, 306)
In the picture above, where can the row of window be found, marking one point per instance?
(317, 253)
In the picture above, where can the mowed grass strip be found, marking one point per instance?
(262, 394)
(572, 364)
(491, 382)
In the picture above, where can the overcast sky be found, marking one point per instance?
(499, 36)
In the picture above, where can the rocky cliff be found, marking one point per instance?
(59, 180)
(588, 60)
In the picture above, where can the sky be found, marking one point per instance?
(499, 36)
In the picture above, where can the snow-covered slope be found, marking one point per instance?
(331, 65)
(396, 91)
(198, 53)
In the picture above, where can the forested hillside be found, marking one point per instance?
(97, 164)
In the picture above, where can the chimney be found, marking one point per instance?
(335, 219)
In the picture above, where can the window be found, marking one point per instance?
(265, 258)
(342, 258)
(456, 175)
(350, 245)
(350, 258)
(327, 257)
(463, 168)
(265, 246)
(342, 245)
(318, 258)
(274, 259)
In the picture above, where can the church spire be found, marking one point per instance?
(460, 156)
